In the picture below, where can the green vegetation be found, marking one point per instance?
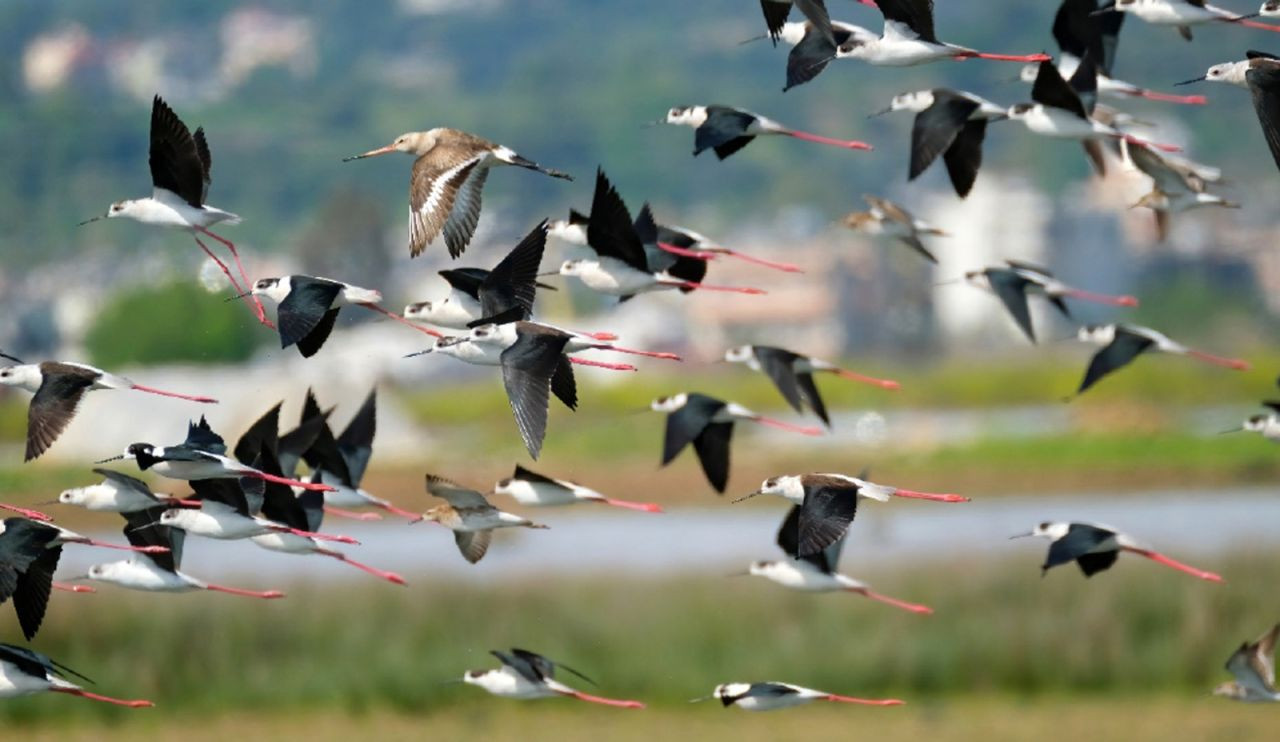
(174, 323)
(360, 648)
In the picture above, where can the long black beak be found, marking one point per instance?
(1188, 82)
(144, 526)
(761, 37)
(700, 700)
(547, 274)
(1246, 17)
(748, 497)
(238, 296)
(1220, 432)
(1108, 8)
(1022, 535)
(86, 221)
(108, 461)
(881, 112)
(420, 353)
(648, 124)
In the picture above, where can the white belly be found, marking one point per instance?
(756, 703)
(1173, 14)
(616, 278)
(289, 543)
(14, 682)
(1063, 125)
(539, 494)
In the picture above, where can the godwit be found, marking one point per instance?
(1254, 668)
(891, 220)
(1177, 185)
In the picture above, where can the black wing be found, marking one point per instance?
(53, 405)
(278, 502)
(1011, 289)
(200, 437)
(1085, 81)
(712, 447)
(809, 58)
(309, 302)
(936, 128)
(295, 443)
(1051, 90)
(142, 528)
(31, 596)
(1079, 32)
(545, 667)
(918, 14)
(527, 369)
(725, 131)
(809, 390)
(1092, 564)
(816, 13)
(964, 157)
(324, 455)
(1255, 54)
(526, 475)
(687, 423)
(1117, 354)
(356, 441)
(512, 283)
(611, 232)
(775, 16)
(1264, 84)
(263, 435)
(177, 163)
(124, 481)
(825, 516)
(789, 541)
(563, 385)
(466, 280)
(229, 493)
(779, 365)
(1081, 539)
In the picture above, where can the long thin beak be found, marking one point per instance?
(77, 578)
(55, 502)
(371, 153)
(761, 37)
(647, 124)
(881, 112)
(548, 274)
(152, 524)
(743, 573)
(700, 700)
(420, 353)
(452, 681)
(86, 221)
(113, 458)
(1188, 82)
(238, 296)
(1246, 17)
(1221, 432)
(1022, 535)
(748, 497)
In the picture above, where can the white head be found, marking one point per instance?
(687, 115)
(420, 309)
(500, 334)
(669, 404)
(107, 571)
(275, 289)
(176, 517)
(788, 486)
(914, 101)
(82, 495)
(1028, 73)
(762, 568)
(977, 278)
(1257, 423)
(1099, 334)
(572, 230)
(26, 376)
(122, 208)
(1050, 530)
(1270, 9)
(740, 354)
(577, 267)
(730, 690)
(482, 678)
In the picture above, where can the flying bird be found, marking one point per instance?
(812, 49)
(772, 695)
(950, 123)
(817, 572)
(1177, 185)
(1181, 14)
(909, 39)
(707, 423)
(891, 220)
(1123, 343)
(469, 515)
(725, 129)
(58, 387)
(1095, 548)
(29, 554)
(180, 165)
(1254, 667)
(792, 374)
(24, 672)
(448, 177)
(118, 493)
(530, 488)
(525, 675)
(814, 11)
(1016, 280)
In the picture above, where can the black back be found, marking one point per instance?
(528, 367)
(532, 666)
(142, 528)
(179, 162)
(760, 690)
(355, 443)
(724, 131)
(306, 314)
(262, 435)
(788, 540)
(1264, 85)
(1080, 540)
(466, 280)
(525, 475)
(35, 664)
(918, 14)
(1078, 32)
(1051, 90)
(935, 128)
(964, 157)
(1011, 289)
(829, 507)
(778, 364)
(1085, 82)
(688, 422)
(293, 444)
(1119, 353)
(678, 266)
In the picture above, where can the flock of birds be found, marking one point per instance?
(257, 490)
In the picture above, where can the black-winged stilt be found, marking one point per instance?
(950, 123)
(1094, 548)
(526, 675)
(772, 695)
(1123, 343)
(29, 553)
(24, 672)
(909, 39)
(725, 129)
(117, 493)
(1181, 14)
(534, 489)
(1013, 282)
(792, 374)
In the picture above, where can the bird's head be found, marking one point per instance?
(727, 692)
(859, 220)
(418, 309)
(75, 495)
(1270, 8)
(1229, 689)
(916, 100)
(1028, 73)
(788, 486)
(686, 116)
(1256, 423)
(740, 354)
(761, 568)
(275, 289)
(1050, 530)
(669, 404)
(1099, 334)
(415, 143)
(25, 375)
(575, 267)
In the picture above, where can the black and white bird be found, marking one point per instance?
(307, 307)
(829, 502)
(469, 515)
(1079, 30)
(118, 493)
(1260, 73)
(707, 423)
(159, 572)
(1123, 343)
(448, 178)
(812, 49)
(909, 39)
(628, 260)
(951, 123)
(1177, 185)
(777, 11)
(58, 387)
(772, 695)
(200, 456)
(24, 672)
(1267, 425)
(792, 374)
(888, 219)
(1094, 548)
(688, 243)
(29, 553)
(526, 675)
(1013, 282)
(816, 572)
(1235, 73)
(180, 165)
(1181, 14)
(1254, 667)
(725, 129)
(531, 488)
(478, 296)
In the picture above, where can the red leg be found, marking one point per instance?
(65, 587)
(708, 287)
(105, 699)
(380, 573)
(780, 425)
(1145, 143)
(26, 513)
(1116, 301)
(604, 701)
(250, 300)
(402, 320)
(842, 143)
(899, 492)
(339, 512)
(314, 486)
(647, 507)
(913, 607)
(882, 383)
(1232, 363)
(397, 511)
(1166, 561)
(267, 594)
(161, 392)
(601, 364)
(865, 701)
(1191, 100)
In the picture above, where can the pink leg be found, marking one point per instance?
(1191, 100)
(383, 574)
(780, 425)
(249, 299)
(1166, 561)
(913, 607)
(65, 587)
(1145, 143)
(686, 252)
(105, 699)
(26, 513)
(843, 143)
(150, 390)
(353, 515)
(601, 364)
(786, 267)
(313, 486)
(1257, 25)
(396, 511)
(267, 595)
(899, 492)
(402, 320)
(605, 701)
(709, 287)
(244, 277)
(604, 337)
(316, 536)
(892, 386)
(125, 547)
(647, 507)
(1117, 301)
(1233, 363)
(183, 503)
(645, 353)
(1032, 58)
(865, 701)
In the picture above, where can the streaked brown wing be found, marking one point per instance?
(472, 544)
(890, 210)
(455, 494)
(433, 190)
